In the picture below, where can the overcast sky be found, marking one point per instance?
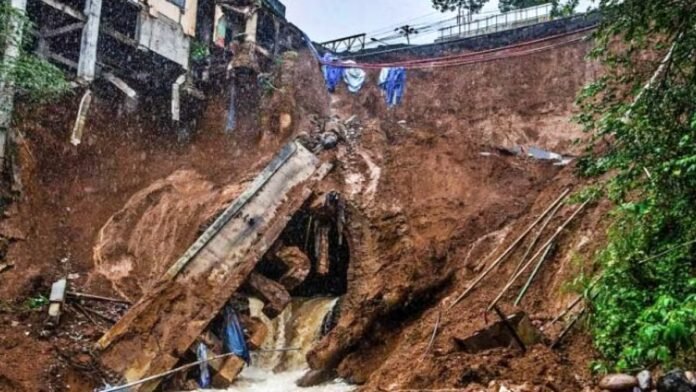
(324, 20)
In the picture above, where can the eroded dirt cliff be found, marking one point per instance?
(431, 198)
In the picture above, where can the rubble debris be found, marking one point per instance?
(618, 382)
(273, 294)
(510, 328)
(126, 387)
(97, 298)
(57, 300)
(322, 248)
(5, 267)
(499, 335)
(537, 153)
(674, 381)
(78, 128)
(222, 258)
(298, 265)
(315, 377)
(645, 381)
(329, 140)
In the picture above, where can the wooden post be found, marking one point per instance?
(87, 66)
(6, 82)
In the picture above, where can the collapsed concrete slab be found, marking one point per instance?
(159, 329)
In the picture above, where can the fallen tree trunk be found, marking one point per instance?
(159, 329)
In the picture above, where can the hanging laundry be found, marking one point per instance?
(354, 77)
(204, 377)
(332, 75)
(233, 336)
(393, 82)
(382, 80)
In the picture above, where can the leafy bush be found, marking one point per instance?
(645, 136)
(33, 77)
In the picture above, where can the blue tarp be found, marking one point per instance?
(332, 75)
(233, 336)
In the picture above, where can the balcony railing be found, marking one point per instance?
(506, 21)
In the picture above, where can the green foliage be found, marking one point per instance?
(36, 302)
(34, 78)
(510, 5)
(644, 313)
(471, 6)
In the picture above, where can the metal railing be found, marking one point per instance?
(346, 44)
(506, 21)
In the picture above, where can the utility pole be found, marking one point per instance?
(7, 83)
(406, 31)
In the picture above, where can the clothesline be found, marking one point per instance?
(463, 58)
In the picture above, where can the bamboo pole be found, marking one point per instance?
(524, 268)
(543, 258)
(98, 298)
(509, 250)
(536, 238)
(568, 328)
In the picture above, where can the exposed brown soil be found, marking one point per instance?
(426, 208)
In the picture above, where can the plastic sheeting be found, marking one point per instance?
(204, 377)
(233, 336)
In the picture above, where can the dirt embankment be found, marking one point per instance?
(430, 198)
(442, 207)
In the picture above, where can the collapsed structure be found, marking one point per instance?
(146, 48)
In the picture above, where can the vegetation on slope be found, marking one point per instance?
(644, 307)
(33, 77)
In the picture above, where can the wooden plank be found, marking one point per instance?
(62, 30)
(66, 9)
(160, 328)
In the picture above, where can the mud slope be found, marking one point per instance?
(441, 209)
(430, 200)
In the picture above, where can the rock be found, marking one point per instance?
(315, 377)
(618, 382)
(285, 121)
(691, 377)
(674, 381)
(645, 381)
(329, 140)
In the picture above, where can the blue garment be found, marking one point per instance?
(393, 82)
(233, 336)
(332, 75)
(202, 354)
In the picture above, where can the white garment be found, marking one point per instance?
(354, 77)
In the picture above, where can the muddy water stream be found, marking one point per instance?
(299, 326)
